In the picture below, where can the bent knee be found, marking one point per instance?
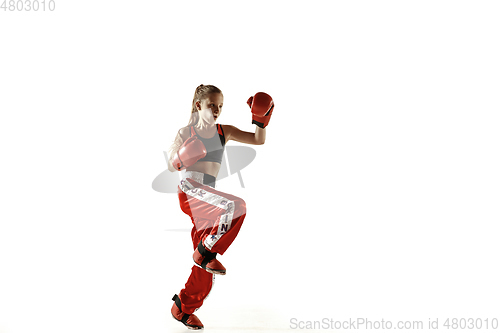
(240, 206)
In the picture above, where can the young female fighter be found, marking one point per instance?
(217, 216)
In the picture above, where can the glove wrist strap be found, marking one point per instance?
(261, 125)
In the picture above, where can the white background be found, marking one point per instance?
(376, 194)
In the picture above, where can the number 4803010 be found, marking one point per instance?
(28, 5)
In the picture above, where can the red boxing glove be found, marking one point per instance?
(189, 153)
(262, 106)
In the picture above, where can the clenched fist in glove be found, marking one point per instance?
(189, 153)
(261, 105)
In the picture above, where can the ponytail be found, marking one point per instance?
(201, 92)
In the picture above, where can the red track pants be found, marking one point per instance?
(217, 219)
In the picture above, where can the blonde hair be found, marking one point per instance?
(201, 92)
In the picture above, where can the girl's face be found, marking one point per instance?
(210, 108)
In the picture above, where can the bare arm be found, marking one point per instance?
(257, 138)
(181, 136)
